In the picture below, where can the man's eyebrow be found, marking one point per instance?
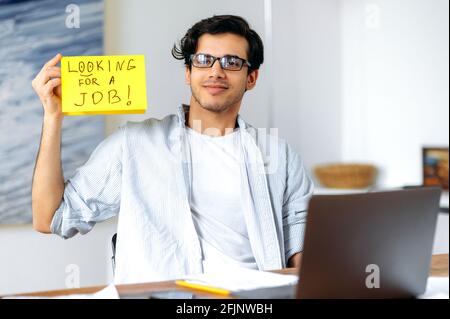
(225, 55)
(233, 56)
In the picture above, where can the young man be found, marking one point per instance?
(193, 190)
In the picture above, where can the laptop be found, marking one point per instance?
(366, 245)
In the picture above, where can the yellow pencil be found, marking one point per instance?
(213, 290)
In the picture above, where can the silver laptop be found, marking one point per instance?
(369, 245)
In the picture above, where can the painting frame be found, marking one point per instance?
(31, 33)
(435, 167)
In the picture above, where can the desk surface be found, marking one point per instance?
(439, 267)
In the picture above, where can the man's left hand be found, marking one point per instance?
(295, 260)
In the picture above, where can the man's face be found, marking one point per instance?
(215, 89)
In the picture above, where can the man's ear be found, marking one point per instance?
(187, 75)
(251, 79)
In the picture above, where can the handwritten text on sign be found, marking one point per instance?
(103, 85)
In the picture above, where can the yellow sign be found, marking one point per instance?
(103, 85)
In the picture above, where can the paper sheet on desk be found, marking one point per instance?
(444, 200)
(238, 279)
(437, 288)
(109, 292)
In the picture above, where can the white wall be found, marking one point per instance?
(395, 78)
(395, 88)
(307, 104)
(31, 261)
(441, 242)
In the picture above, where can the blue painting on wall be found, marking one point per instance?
(32, 32)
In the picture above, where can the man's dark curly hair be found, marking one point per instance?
(218, 25)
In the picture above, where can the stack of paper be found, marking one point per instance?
(437, 288)
(237, 279)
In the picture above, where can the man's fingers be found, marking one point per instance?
(54, 61)
(48, 71)
(58, 91)
(54, 69)
(47, 74)
(48, 88)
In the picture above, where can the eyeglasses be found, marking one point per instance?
(227, 62)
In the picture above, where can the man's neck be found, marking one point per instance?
(212, 123)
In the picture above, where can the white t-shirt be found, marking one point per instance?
(216, 204)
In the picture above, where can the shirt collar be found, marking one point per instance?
(183, 111)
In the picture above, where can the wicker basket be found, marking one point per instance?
(346, 175)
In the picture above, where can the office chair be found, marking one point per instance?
(113, 246)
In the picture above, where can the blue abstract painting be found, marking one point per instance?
(32, 32)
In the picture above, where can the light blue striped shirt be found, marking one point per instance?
(142, 174)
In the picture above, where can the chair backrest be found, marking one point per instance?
(113, 246)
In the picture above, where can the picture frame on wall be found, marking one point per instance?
(435, 167)
(435, 171)
(31, 33)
